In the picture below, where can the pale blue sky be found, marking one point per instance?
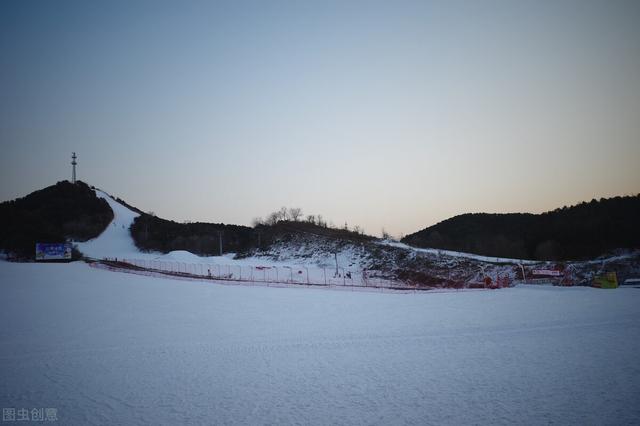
(381, 114)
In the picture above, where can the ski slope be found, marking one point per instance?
(115, 241)
(111, 348)
(472, 256)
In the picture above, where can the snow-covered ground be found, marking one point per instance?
(115, 240)
(110, 348)
(287, 267)
(287, 257)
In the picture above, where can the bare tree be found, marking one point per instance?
(295, 213)
(273, 218)
(283, 213)
(257, 221)
(385, 235)
(311, 218)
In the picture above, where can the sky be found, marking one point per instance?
(392, 114)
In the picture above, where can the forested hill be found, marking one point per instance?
(583, 231)
(50, 215)
(156, 234)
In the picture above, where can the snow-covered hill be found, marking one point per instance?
(115, 241)
(389, 260)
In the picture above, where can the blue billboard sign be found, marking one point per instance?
(53, 251)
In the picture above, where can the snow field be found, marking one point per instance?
(110, 348)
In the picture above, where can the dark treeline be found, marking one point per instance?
(153, 233)
(583, 231)
(58, 213)
(156, 234)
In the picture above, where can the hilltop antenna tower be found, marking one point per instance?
(73, 163)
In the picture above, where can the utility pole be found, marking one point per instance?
(73, 164)
(524, 277)
(220, 241)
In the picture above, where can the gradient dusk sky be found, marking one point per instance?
(382, 114)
